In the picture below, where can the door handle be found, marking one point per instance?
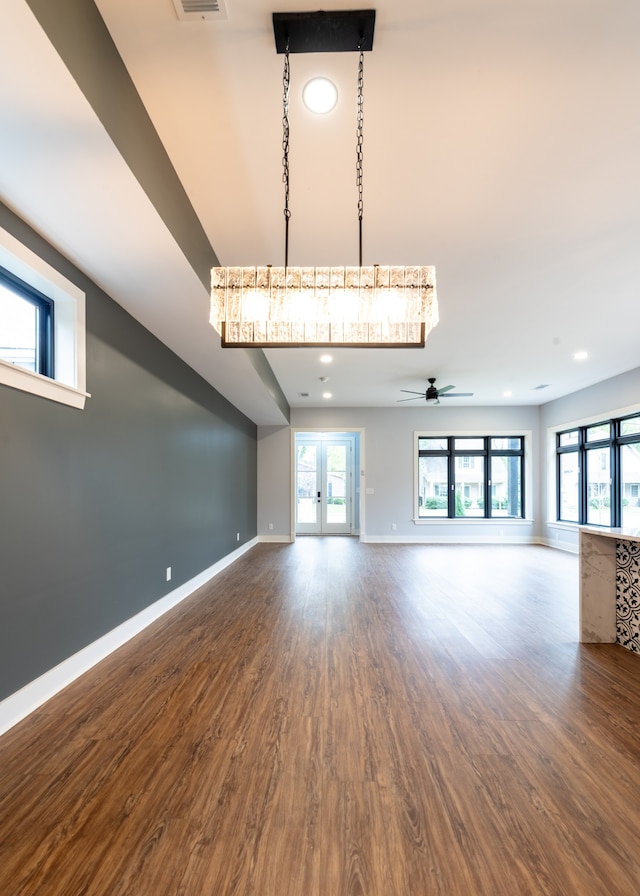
(319, 497)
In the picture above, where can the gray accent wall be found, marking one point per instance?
(158, 470)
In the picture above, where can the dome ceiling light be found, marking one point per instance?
(320, 95)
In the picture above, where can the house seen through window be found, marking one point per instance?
(470, 476)
(598, 473)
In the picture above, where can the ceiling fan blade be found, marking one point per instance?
(420, 395)
(411, 392)
(457, 394)
(445, 389)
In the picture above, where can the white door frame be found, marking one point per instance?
(358, 471)
(321, 525)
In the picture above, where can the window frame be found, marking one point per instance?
(66, 383)
(44, 351)
(454, 451)
(581, 448)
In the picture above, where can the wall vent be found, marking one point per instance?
(201, 10)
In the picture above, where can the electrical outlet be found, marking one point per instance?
(271, 526)
(237, 536)
(393, 526)
(168, 573)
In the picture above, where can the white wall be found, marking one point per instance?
(610, 398)
(388, 464)
(274, 483)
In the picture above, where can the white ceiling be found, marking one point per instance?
(501, 145)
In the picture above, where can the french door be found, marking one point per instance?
(323, 486)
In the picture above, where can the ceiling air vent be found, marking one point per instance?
(199, 10)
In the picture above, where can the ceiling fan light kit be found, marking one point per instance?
(377, 306)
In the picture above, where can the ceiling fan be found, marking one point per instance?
(434, 394)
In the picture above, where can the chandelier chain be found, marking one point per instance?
(286, 78)
(359, 147)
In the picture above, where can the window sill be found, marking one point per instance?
(494, 521)
(560, 524)
(42, 386)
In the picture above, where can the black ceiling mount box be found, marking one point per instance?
(324, 32)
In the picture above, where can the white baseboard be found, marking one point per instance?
(19, 705)
(275, 539)
(449, 539)
(560, 545)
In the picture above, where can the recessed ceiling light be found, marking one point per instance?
(320, 95)
(326, 359)
(326, 395)
(508, 393)
(581, 356)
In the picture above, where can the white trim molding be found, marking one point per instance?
(68, 384)
(276, 539)
(19, 705)
(450, 539)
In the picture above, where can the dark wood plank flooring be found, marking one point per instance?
(332, 718)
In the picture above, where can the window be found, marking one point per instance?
(42, 327)
(506, 469)
(598, 473)
(568, 487)
(630, 482)
(455, 474)
(599, 487)
(433, 474)
(26, 325)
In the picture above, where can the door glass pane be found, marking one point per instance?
(569, 470)
(307, 484)
(506, 486)
(598, 487)
(469, 472)
(336, 483)
(630, 463)
(18, 329)
(433, 487)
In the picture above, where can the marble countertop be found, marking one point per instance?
(620, 533)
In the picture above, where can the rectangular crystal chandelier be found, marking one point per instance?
(359, 307)
(277, 307)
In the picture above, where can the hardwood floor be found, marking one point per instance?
(332, 718)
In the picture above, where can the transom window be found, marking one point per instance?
(469, 476)
(598, 473)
